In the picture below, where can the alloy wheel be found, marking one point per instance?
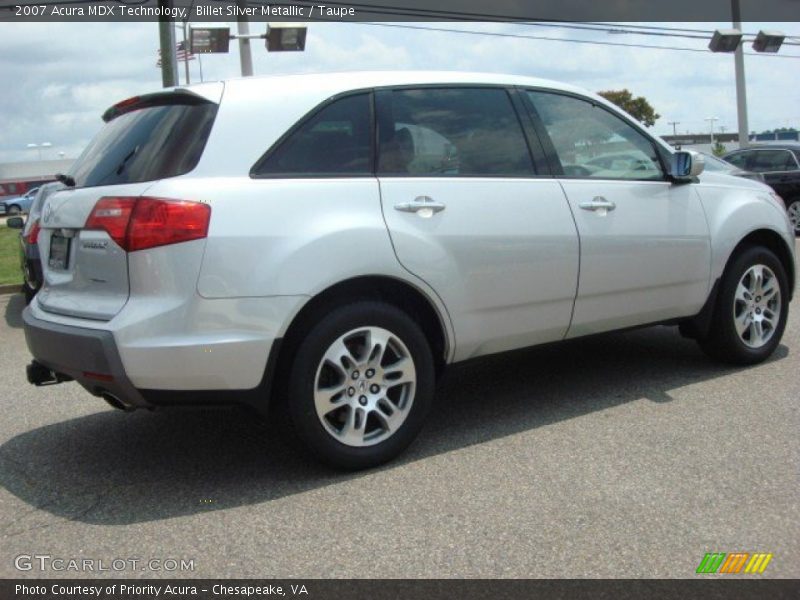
(757, 306)
(794, 215)
(364, 386)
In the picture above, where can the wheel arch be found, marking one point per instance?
(772, 240)
(400, 293)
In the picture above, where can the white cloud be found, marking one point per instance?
(62, 76)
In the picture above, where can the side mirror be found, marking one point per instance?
(15, 223)
(686, 165)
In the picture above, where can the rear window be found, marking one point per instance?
(146, 144)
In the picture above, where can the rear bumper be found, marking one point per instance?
(91, 357)
(88, 356)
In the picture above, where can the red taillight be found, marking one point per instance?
(33, 234)
(140, 223)
(113, 216)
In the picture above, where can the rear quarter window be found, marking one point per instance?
(333, 141)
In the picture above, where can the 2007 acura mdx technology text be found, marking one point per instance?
(327, 243)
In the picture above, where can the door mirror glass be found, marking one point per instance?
(15, 223)
(686, 165)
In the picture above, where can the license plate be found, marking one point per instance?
(59, 252)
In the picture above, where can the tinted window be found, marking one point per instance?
(739, 160)
(333, 141)
(592, 142)
(712, 163)
(452, 132)
(771, 160)
(146, 144)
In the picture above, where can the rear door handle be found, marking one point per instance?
(599, 204)
(424, 206)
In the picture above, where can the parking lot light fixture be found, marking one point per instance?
(768, 41)
(725, 40)
(286, 37)
(39, 147)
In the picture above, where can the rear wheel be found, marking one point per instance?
(28, 292)
(360, 385)
(751, 310)
(793, 210)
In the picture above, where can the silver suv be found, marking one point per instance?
(325, 244)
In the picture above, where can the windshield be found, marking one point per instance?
(717, 164)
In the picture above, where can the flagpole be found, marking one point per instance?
(186, 49)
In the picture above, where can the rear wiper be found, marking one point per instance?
(67, 180)
(121, 166)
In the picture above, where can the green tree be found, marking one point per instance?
(718, 148)
(639, 108)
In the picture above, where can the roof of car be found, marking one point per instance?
(352, 80)
(770, 146)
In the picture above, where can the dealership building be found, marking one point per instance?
(18, 177)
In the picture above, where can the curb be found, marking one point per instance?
(10, 289)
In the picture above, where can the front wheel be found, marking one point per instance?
(793, 210)
(14, 210)
(751, 310)
(360, 385)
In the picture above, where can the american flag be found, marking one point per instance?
(181, 51)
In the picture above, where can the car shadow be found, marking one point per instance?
(114, 468)
(14, 306)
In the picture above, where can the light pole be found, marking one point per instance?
(280, 37)
(730, 40)
(243, 28)
(674, 127)
(39, 147)
(711, 124)
(741, 92)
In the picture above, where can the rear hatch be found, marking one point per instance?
(145, 139)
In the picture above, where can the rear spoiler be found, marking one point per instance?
(208, 93)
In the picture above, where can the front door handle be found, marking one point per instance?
(599, 204)
(424, 206)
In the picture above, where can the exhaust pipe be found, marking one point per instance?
(116, 402)
(40, 375)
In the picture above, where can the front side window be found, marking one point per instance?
(738, 160)
(335, 141)
(764, 161)
(451, 132)
(592, 142)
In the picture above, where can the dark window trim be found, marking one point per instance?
(541, 164)
(305, 119)
(555, 162)
(384, 106)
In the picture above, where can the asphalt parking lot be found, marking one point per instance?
(626, 455)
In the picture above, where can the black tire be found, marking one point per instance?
(301, 384)
(723, 341)
(28, 293)
(14, 210)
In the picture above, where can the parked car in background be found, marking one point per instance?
(327, 263)
(780, 166)
(18, 205)
(30, 261)
(714, 164)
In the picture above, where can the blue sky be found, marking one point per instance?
(59, 77)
